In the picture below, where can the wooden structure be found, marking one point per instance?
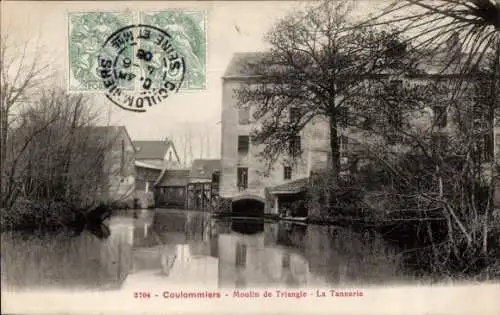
(203, 195)
(170, 188)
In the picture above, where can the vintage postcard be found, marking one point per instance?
(248, 157)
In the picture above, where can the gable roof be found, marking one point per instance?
(153, 149)
(173, 177)
(204, 168)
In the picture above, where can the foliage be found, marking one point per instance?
(54, 154)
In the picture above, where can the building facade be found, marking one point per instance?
(243, 172)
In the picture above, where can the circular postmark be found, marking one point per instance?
(140, 67)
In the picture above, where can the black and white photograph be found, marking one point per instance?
(250, 157)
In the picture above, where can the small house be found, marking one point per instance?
(170, 188)
(152, 157)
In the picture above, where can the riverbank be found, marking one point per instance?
(28, 215)
(337, 221)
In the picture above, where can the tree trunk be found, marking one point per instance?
(3, 154)
(333, 173)
(335, 148)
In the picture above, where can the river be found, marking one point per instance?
(179, 247)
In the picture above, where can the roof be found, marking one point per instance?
(204, 168)
(147, 165)
(292, 187)
(430, 64)
(173, 177)
(236, 67)
(153, 149)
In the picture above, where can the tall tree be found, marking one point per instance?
(316, 66)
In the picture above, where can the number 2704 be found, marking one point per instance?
(142, 295)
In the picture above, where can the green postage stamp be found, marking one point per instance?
(88, 32)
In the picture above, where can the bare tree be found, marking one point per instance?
(55, 154)
(22, 72)
(317, 64)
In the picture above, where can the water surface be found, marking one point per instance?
(167, 247)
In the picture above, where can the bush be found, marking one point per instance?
(327, 197)
(38, 214)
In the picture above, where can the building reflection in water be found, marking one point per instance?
(176, 246)
(255, 259)
(184, 248)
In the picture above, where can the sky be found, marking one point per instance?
(231, 27)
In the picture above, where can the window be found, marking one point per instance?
(295, 146)
(242, 178)
(241, 255)
(216, 177)
(170, 156)
(244, 115)
(294, 114)
(243, 144)
(287, 172)
(440, 116)
(344, 141)
(394, 112)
